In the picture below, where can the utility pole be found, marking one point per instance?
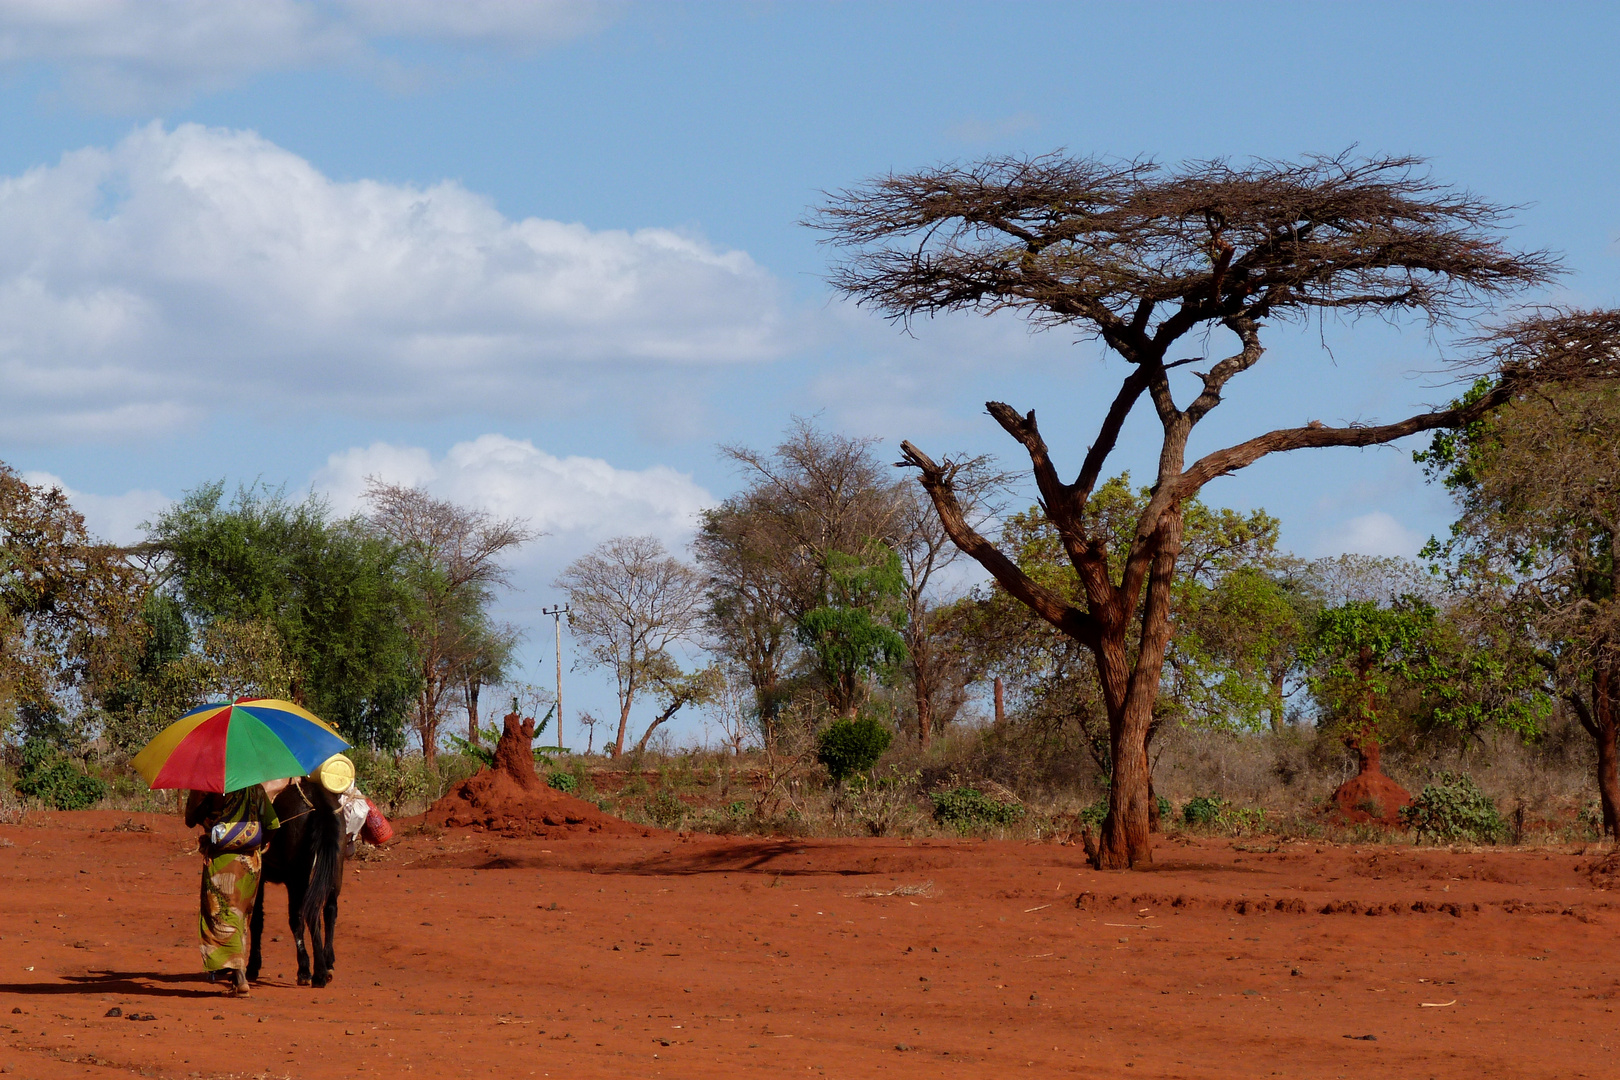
(557, 611)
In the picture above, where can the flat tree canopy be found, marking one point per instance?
(1143, 256)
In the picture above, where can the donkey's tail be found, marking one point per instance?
(326, 837)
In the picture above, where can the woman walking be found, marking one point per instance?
(238, 825)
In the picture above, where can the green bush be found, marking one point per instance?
(737, 810)
(666, 809)
(394, 783)
(1097, 811)
(55, 781)
(1204, 810)
(1453, 808)
(966, 808)
(848, 747)
(565, 782)
(1214, 812)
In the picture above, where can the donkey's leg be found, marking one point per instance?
(331, 927)
(317, 945)
(295, 923)
(256, 934)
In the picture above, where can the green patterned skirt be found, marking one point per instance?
(229, 885)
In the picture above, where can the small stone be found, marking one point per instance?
(114, 1011)
(901, 1046)
(1295, 971)
(219, 1016)
(15, 1009)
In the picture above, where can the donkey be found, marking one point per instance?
(306, 855)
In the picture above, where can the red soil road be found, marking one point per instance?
(472, 955)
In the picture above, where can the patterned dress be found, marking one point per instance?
(230, 881)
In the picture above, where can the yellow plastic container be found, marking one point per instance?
(336, 773)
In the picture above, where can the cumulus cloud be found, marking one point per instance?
(133, 54)
(143, 284)
(116, 518)
(576, 501)
(1377, 533)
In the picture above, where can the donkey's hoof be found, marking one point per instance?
(303, 980)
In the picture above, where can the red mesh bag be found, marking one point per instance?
(376, 830)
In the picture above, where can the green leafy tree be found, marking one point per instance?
(853, 636)
(850, 746)
(331, 591)
(1359, 651)
(1534, 543)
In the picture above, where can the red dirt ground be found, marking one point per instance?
(469, 954)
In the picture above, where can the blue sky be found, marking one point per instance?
(544, 256)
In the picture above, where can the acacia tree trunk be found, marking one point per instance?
(922, 692)
(1602, 726)
(472, 711)
(427, 718)
(624, 722)
(1125, 836)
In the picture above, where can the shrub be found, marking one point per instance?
(666, 809)
(1214, 812)
(1453, 808)
(1203, 810)
(1097, 811)
(881, 804)
(848, 747)
(565, 782)
(55, 781)
(967, 808)
(394, 783)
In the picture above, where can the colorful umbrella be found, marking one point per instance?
(229, 745)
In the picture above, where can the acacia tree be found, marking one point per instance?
(70, 606)
(766, 550)
(1145, 258)
(453, 567)
(630, 602)
(1534, 544)
(937, 664)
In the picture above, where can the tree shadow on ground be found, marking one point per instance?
(120, 982)
(764, 857)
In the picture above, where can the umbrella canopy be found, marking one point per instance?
(230, 745)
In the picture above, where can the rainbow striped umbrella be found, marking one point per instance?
(230, 745)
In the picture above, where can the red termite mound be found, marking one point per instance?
(510, 797)
(1370, 795)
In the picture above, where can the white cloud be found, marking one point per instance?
(1377, 533)
(132, 54)
(576, 501)
(144, 284)
(116, 518)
